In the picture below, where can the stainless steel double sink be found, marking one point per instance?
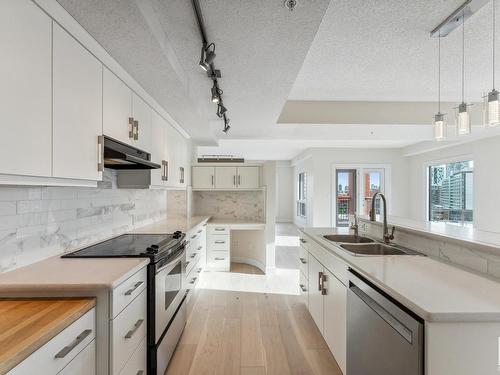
(359, 245)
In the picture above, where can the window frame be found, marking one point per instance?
(426, 182)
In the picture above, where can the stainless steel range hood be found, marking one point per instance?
(121, 156)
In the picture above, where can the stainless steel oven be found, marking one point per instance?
(167, 311)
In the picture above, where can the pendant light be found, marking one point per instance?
(463, 116)
(492, 104)
(439, 120)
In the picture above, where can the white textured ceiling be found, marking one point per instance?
(381, 50)
(328, 50)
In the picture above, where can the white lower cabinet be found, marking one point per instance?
(127, 331)
(219, 248)
(327, 301)
(137, 363)
(315, 296)
(63, 349)
(83, 363)
(335, 318)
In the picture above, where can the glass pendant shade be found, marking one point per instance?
(492, 109)
(439, 127)
(463, 120)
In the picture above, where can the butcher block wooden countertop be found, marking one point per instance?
(27, 324)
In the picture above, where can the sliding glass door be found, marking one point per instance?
(346, 193)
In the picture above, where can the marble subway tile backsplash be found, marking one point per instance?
(38, 222)
(232, 205)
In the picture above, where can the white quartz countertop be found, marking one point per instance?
(442, 230)
(435, 291)
(70, 274)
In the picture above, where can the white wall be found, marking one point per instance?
(486, 156)
(318, 163)
(304, 163)
(284, 192)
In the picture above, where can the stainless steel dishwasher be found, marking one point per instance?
(383, 337)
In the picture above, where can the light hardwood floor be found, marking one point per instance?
(240, 333)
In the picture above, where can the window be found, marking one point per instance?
(346, 195)
(302, 195)
(451, 192)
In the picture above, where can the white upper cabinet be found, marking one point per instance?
(226, 177)
(77, 109)
(158, 149)
(248, 177)
(26, 95)
(203, 177)
(117, 108)
(142, 114)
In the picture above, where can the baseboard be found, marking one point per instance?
(249, 261)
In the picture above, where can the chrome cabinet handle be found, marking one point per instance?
(193, 256)
(131, 127)
(234, 180)
(193, 236)
(136, 134)
(100, 153)
(204, 224)
(239, 180)
(220, 258)
(64, 351)
(201, 230)
(131, 290)
(302, 260)
(220, 229)
(323, 289)
(187, 263)
(134, 330)
(193, 280)
(199, 270)
(212, 180)
(302, 240)
(303, 287)
(166, 170)
(199, 248)
(140, 372)
(320, 277)
(220, 242)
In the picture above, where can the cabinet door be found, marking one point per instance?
(225, 177)
(335, 320)
(83, 364)
(170, 149)
(158, 149)
(248, 178)
(26, 95)
(203, 177)
(77, 105)
(315, 296)
(142, 113)
(116, 107)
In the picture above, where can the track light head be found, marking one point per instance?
(221, 110)
(202, 63)
(215, 94)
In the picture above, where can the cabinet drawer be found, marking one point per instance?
(218, 243)
(125, 293)
(304, 261)
(61, 349)
(137, 362)
(219, 261)
(218, 229)
(191, 262)
(127, 331)
(303, 289)
(83, 364)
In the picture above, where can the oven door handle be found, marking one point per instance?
(169, 264)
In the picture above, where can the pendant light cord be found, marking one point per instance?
(494, 30)
(439, 72)
(463, 55)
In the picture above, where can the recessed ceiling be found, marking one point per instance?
(356, 50)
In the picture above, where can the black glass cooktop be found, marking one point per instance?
(131, 245)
